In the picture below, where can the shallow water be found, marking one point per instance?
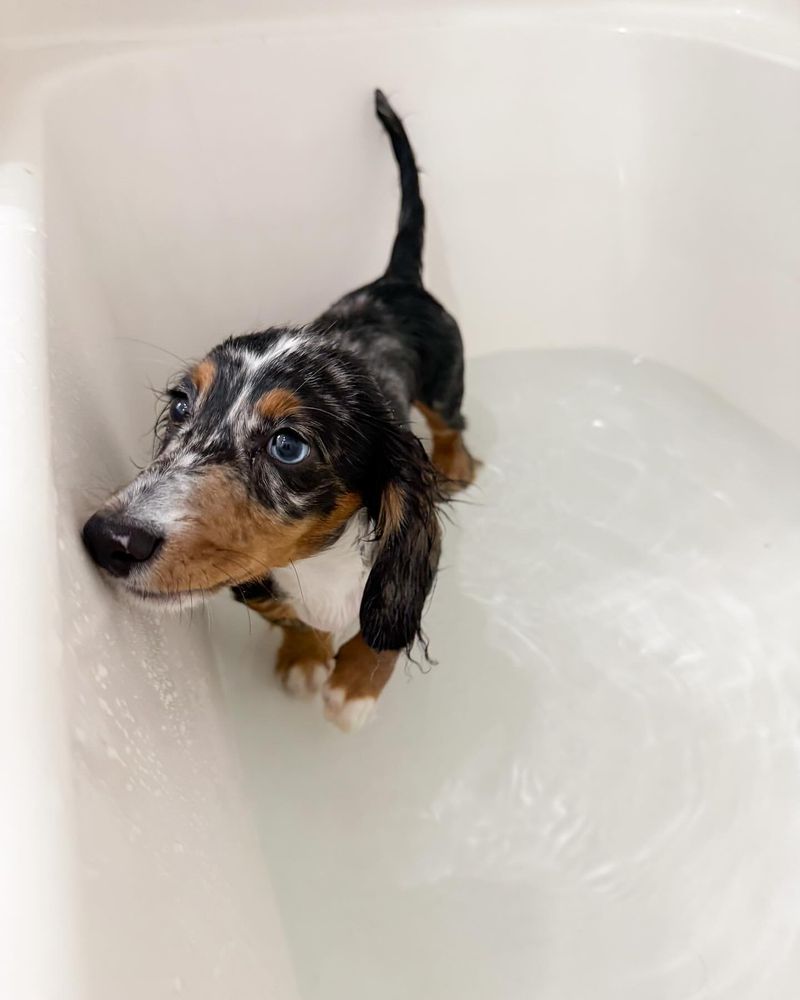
(596, 791)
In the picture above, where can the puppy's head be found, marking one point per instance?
(265, 451)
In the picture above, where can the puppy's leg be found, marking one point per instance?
(358, 678)
(450, 455)
(305, 660)
(305, 657)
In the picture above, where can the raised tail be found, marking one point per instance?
(405, 263)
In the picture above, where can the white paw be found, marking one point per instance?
(304, 680)
(349, 714)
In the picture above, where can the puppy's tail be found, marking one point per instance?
(406, 260)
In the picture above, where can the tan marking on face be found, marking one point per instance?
(228, 538)
(450, 455)
(361, 672)
(277, 404)
(203, 375)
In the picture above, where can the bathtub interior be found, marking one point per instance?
(595, 787)
(578, 792)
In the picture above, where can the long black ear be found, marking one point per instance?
(407, 534)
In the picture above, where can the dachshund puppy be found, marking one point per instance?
(286, 469)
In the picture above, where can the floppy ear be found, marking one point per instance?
(407, 534)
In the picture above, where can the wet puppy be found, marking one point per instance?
(285, 469)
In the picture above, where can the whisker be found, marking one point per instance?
(297, 577)
(156, 347)
(247, 555)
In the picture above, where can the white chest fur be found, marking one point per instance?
(325, 589)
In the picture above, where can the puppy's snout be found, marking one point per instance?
(118, 545)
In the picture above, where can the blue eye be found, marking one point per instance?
(179, 409)
(288, 447)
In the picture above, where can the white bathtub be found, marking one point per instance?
(621, 177)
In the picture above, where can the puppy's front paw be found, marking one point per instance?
(349, 714)
(305, 661)
(304, 678)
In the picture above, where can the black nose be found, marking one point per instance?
(118, 545)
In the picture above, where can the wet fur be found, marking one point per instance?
(229, 515)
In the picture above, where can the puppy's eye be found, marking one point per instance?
(180, 409)
(288, 447)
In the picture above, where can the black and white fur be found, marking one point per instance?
(355, 374)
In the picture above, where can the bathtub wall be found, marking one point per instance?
(610, 186)
(37, 19)
(172, 893)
